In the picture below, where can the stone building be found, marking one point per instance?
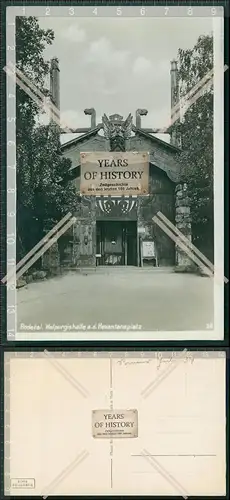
(112, 230)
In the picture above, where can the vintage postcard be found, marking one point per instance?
(150, 423)
(115, 171)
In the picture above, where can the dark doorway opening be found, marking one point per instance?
(117, 243)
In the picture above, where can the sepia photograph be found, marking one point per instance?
(119, 173)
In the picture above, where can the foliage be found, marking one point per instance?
(196, 132)
(51, 200)
(31, 41)
(41, 199)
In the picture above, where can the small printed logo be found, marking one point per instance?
(22, 483)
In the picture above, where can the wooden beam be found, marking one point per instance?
(153, 130)
(75, 131)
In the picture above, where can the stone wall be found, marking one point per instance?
(161, 198)
(147, 209)
(183, 223)
(51, 258)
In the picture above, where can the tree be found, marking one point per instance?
(51, 200)
(31, 41)
(41, 199)
(196, 132)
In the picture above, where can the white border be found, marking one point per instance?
(11, 298)
(218, 332)
(218, 154)
(140, 336)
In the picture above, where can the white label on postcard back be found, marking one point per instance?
(115, 423)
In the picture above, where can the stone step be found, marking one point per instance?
(119, 269)
(132, 269)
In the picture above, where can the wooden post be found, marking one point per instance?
(126, 246)
(138, 250)
(141, 251)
